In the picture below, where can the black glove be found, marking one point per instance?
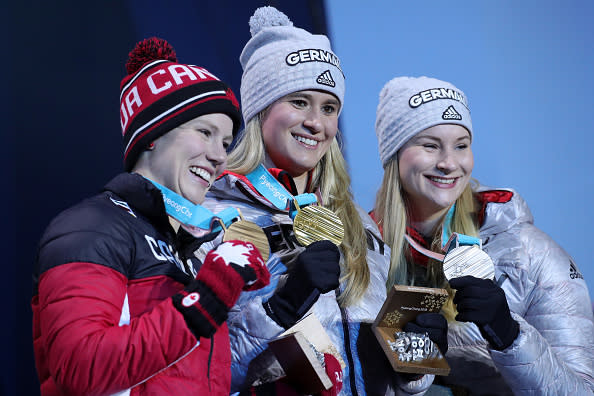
(433, 324)
(483, 302)
(316, 271)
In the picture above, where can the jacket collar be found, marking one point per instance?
(241, 182)
(141, 194)
(147, 200)
(484, 197)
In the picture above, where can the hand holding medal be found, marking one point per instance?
(247, 231)
(479, 298)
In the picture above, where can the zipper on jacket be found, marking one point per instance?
(209, 361)
(347, 349)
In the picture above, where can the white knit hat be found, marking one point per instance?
(281, 59)
(409, 105)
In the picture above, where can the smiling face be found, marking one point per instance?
(298, 129)
(435, 167)
(188, 158)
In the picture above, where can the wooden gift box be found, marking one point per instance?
(402, 305)
(293, 350)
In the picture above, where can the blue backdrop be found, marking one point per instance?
(527, 69)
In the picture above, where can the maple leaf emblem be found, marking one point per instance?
(236, 253)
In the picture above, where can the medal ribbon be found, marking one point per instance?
(189, 213)
(276, 193)
(449, 239)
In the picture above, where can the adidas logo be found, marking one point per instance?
(573, 271)
(451, 114)
(326, 79)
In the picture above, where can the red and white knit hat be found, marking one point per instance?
(159, 94)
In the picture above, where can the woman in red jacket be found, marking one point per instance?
(121, 305)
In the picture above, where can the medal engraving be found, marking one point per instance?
(468, 260)
(247, 231)
(316, 223)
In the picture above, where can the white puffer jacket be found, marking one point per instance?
(367, 371)
(553, 354)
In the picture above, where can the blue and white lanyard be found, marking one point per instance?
(192, 214)
(276, 193)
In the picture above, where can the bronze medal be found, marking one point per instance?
(468, 260)
(248, 231)
(316, 223)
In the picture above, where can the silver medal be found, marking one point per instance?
(468, 260)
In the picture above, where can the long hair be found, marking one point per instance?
(330, 176)
(391, 215)
(249, 150)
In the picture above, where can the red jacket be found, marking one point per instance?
(103, 318)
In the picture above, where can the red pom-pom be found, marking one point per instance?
(149, 50)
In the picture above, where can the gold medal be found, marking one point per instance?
(316, 223)
(248, 231)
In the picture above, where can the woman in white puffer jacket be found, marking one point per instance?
(532, 332)
(292, 92)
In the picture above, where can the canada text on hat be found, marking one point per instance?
(160, 94)
(156, 85)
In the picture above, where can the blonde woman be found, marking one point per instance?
(292, 93)
(532, 331)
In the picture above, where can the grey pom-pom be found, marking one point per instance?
(266, 17)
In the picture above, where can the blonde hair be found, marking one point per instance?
(249, 151)
(329, 176)
(391, 215)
